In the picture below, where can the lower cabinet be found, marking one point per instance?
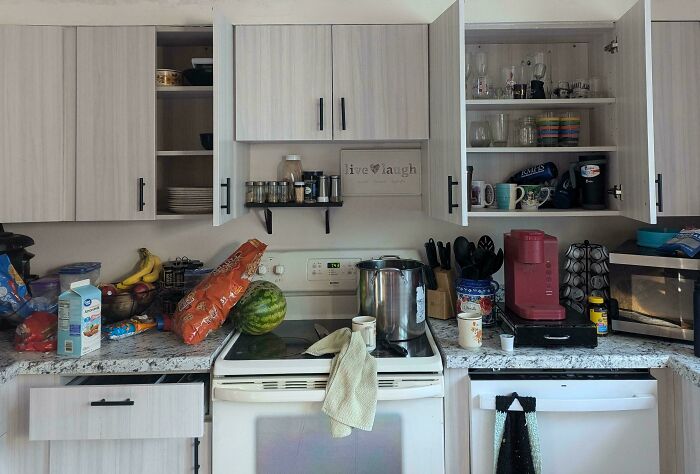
(4, 454)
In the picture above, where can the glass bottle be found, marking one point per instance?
(283, 191)
(290, 170)
(272, 191)
(249, 191)
(259, 191)
(482, 84)
(527, 131)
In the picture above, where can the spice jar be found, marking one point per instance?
(272, 191)
(290, 170)
(313, 177)
(309, 188)
(282, 191)
(299, 191)
(259, 192)
(527, 131)
(249, 191)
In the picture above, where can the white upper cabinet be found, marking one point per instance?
(37, 97)
(116, 138)
(676, 69)
(283, 83)
(380, 82)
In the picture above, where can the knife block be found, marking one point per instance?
(442, 302)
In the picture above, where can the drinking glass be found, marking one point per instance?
(500, 129)
(508, 75)
(468, 70)
(480, 134)
(596, 85)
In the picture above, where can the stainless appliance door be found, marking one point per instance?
(276, 425)
(607, 425)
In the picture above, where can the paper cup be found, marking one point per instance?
(507, 342)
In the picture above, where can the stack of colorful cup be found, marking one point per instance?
(569, 128)
(547, 130)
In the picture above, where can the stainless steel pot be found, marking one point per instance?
(393, 291)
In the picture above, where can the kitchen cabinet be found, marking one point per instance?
(618, 125)
(676, 67)
(37, 97)
(380, 82)
(115, 136)
(283, 83)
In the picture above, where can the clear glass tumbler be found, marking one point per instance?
(499, 128)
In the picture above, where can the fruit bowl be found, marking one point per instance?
(119, 306)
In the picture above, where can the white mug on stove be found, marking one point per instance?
(367, 327)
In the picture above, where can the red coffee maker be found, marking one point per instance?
(532, 275)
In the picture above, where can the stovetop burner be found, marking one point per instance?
(290, 339)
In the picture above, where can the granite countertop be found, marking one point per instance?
(613, 352)
(151, 351)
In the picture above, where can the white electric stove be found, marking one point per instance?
(267, 394)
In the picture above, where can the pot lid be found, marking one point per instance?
(10, 241)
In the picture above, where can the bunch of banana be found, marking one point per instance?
(147, 271)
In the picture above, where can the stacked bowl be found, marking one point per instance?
(569, 128)
(548, 130)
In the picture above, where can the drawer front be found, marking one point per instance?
(116, 412)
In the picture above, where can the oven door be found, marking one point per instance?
(275, 425)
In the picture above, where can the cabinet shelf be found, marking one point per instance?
(575, 212)
(537, 104)
(542, 149)
(171, 216)
(267, 206)
(185, 153)
(185, 91)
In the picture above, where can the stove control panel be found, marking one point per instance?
(339, 272)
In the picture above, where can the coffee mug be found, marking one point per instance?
(532, 199)
(367, 327)
(507, 195)
(470, 330)
(481, 192)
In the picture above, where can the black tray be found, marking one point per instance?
(574, 331)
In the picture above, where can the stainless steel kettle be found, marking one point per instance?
(393, 290)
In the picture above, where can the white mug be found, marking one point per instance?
(532, 199)
(470, 328)
(481, 194)
(367, 327)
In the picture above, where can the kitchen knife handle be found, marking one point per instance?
(320, 113)
(227, 185)
(342, 113)
(659, 192)
(450, 183)
(142, 184)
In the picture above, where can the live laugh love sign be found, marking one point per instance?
(380, 172)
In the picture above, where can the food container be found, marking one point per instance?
(45, 293)
(168, 77)
(79, 271)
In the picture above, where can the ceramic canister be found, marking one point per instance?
(477, 295)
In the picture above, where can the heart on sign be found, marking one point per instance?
(374, 168)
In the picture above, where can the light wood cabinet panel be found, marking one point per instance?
(448, 141)
(380, 79)
(283, 82)
(36, 126)
(676, 68)
(457, 421)
(116, 138)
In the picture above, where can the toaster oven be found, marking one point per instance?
(653, 294)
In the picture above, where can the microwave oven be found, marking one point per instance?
(653, 294)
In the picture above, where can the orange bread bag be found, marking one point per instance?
(206, 307)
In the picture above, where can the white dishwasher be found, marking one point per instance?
(589, 421)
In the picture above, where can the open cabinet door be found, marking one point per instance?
(231, 159)
(635, 102)
(448, 142)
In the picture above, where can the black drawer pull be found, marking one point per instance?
(142, 203)
(342, 113)
(227, 185)
(112, 403)
(450, 183)
(320, 112)
(660, 192)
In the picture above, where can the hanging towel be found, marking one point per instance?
(516, 440)
(351, 391)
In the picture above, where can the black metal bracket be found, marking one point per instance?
(109, 403)
(267, 211)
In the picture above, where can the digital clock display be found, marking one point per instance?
(333, 265)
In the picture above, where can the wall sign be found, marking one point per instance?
(380, 172)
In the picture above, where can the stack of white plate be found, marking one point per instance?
(190, 200)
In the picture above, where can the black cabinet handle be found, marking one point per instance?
(342, 113)
(660, 192)
(142, 183)
(227, 185)
(196, 456)
(450, 205)
(112, 403)
(320, 113)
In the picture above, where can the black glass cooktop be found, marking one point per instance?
(292, 338)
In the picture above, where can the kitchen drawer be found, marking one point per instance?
(118, 407)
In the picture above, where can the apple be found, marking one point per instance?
(108, 289)
(142, 292)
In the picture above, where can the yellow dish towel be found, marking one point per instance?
(351, 391)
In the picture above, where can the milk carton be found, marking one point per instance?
(79, 318)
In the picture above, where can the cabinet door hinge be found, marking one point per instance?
(612, 46)
(616, 191)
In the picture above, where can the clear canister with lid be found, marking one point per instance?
(299, 187)
(259, 192)
(272, 191)
(335, 192)
(283, 191)
(527, 131)
(290, 170)
(250, 191)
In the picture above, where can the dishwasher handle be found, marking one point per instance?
(630, 403)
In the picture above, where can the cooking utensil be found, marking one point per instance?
(461, 251)
(392, 346)
(441, 255)
(321, 331)
(431, 253)
(486, 242)
(447, 257)
(430, 279)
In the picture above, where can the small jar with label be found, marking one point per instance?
(309, 188)
(249, 191)
(598, 313)
(259, 192)
(282, 191)
(299, 191)
(272, 191)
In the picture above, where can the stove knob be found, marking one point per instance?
(278, 269)
(262, 269)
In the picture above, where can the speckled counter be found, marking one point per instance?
(613, 352)
(152, 351)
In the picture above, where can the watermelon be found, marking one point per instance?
(261, 309)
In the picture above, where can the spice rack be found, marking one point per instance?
(267, 206)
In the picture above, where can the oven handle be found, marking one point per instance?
(634, 402)
(248, 395)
